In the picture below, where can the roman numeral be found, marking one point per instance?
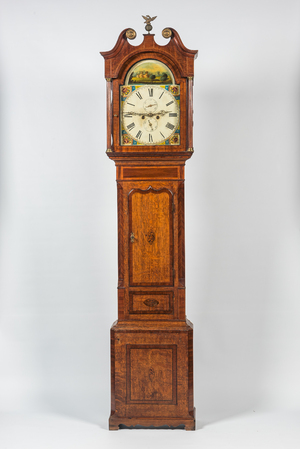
(162, 134)
(150, 138)
(128, 115)
(139, 95)
(173, 114)
(170, 102)
(168, 125)
(131, 104)
(139, 135)
(130, 126)
(150, 92)
(161, 95)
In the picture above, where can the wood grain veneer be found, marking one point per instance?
(152, 341)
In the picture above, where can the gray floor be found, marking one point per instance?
(274, 430)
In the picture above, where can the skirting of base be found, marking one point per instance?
(172, 423)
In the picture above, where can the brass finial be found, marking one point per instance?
(166, 32)
(130, 34)
(148, 19)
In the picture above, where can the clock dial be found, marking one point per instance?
(150, 115)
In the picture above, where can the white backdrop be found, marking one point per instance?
(58, 203)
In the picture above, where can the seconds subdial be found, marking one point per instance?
(150, 105)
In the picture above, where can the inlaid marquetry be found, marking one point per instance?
(151, 374)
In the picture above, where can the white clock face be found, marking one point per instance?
(150, 115)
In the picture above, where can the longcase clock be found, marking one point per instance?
(149, 137)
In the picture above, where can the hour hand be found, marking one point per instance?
(145, 114)
(162, 112)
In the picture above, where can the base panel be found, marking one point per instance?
(152, 376)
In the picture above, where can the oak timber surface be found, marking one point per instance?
(152, 342)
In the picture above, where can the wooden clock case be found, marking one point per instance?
(152, 341)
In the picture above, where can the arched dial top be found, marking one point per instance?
(150, 116)
(149, 71)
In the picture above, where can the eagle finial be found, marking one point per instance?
(148, 19)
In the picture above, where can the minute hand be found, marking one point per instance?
(145, 114)
(132, 113)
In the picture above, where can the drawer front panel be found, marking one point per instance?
(150, 303)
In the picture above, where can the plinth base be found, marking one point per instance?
(152, 375)
(172, 423)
